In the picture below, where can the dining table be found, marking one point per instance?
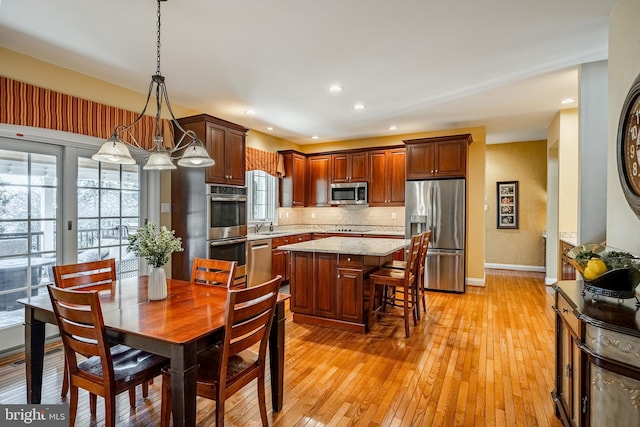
(188, 321)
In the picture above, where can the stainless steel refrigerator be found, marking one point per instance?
(439, 206)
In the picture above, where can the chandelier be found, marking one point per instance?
(188, 151)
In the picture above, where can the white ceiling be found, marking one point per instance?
(418, 64)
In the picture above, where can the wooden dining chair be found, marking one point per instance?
(107, 371)
(397, 288)
(86, 276)
(227, 367)
(422, 260)
(213, 272)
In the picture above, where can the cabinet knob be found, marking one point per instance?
(432, 170)
(565, 310)
(338, 276)
(349, 259)
(436, 170)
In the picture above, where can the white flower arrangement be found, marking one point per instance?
(154, 247)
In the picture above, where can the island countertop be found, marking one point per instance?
(349, 245)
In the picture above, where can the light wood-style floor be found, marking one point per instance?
(484, 358)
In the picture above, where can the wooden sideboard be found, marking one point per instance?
(597, 359)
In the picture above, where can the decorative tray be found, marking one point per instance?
(606, 271)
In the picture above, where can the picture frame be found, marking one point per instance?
(507, 204)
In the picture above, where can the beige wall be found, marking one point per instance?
(568, 171)
(36, 72)
(525, 162)
(623, 227)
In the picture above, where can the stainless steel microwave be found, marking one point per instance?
(349, 193)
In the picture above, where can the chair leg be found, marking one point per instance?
(145, 388)
(406, 315)
(416, 306)
(132, 397)
(262, 401)
(110, 411)
(65, 380)
(73, 405)
(165, 402)
(93, 401)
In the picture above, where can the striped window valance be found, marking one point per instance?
(28, 105)
(262, 160)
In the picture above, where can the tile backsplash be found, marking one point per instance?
(344, 215)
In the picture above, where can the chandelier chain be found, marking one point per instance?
(158, 41)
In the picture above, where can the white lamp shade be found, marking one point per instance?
(114, 151)
(196, 156)
(159, 161)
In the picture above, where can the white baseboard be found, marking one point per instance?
(474, 281)
(550, 280)
(537, 268)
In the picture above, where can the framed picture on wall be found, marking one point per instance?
(507, 197)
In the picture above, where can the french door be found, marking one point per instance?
(58, 206)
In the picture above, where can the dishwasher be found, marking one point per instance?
(259, 261)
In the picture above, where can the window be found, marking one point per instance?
(262, 196)
(108, 210)
(28, 221)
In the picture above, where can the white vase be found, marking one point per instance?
(157, 287)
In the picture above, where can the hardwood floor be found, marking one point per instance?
(484, 358)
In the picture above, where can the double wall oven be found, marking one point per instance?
(227, 226)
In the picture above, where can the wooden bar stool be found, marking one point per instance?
(422, 259)
(393, 282)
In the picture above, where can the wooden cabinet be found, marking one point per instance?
(350, 167)
(225, 142)
(292, 185)
(386, 185)
(399, 255)
(439, 157)
(324, 285)
(319, 174)
(302, 270)
(280, 259)
(597, 359)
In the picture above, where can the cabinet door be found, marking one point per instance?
(396, 177)
(235, 158)
(302, 275)
(319, 178)
(421, 160)
(377, 183)
(278, 264)
(349, 295)
(292, 185)
(215, 145)
(359, 171)
(324, 285)
(340, 164)
(451, 159)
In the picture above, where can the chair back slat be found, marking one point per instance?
(213, 272)
(412, 262)
(426, 236)
(248, 316)
(81, 333)
(93, 275)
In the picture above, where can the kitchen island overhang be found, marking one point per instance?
(330, 277)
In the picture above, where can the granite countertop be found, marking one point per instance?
(281, 233)
(349, 245)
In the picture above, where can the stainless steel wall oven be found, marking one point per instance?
(227, 226)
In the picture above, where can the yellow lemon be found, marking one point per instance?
(595, 267)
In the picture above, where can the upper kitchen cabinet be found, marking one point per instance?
(386, 184)
(292, 184)
(319, 177)
(439, 157)
(225, 142)
(350, 167)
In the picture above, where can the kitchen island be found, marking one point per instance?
(329, 279)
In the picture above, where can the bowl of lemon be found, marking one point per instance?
(605, 270)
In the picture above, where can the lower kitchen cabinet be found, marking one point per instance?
(301, 270)
(597, 359)
(349, 287)
(324, 285)
(281, 260)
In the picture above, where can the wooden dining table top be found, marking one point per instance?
(191, 311)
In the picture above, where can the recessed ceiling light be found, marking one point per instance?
(335, 88)
(393, 127)
(315, 137)
(269, 128)
(567, 101)
(250, 112)
(358, 107)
